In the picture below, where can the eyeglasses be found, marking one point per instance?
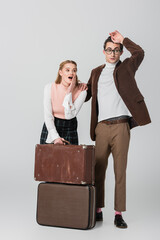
(115, 51)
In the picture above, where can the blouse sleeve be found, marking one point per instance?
(71, 109)
(48, 116)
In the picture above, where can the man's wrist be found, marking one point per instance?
(122, 40)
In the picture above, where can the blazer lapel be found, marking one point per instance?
(96, 78)
(98, 73)
(115, 72)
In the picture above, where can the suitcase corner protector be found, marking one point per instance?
(83, 146)
(83, 182)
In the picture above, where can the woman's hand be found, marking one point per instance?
(83, 86)
(72, 85)
(59, 141)
(116, 37)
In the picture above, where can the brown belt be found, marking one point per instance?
(108, 122)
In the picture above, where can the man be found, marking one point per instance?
(117, 106)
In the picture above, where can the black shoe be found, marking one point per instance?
(119, 222)
(99, 216)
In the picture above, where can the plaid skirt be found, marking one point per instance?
(66, 129)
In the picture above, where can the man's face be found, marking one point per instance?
(112, 56)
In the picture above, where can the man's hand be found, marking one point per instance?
(116, 37)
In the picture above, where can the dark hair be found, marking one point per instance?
(109, 39)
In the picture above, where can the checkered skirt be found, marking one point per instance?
(66, 129)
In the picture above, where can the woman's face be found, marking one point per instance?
(67, 73)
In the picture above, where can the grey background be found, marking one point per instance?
(36, 35)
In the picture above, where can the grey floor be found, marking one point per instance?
(18, 214)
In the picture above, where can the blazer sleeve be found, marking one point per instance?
(89, 85)
(137, 54)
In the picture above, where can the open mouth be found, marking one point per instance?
(70, 77)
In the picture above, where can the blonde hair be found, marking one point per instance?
(59, 78)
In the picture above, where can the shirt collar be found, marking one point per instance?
(110, 65)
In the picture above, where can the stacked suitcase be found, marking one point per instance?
(66, 197)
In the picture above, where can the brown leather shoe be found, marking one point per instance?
(99, 216)
(119, 222)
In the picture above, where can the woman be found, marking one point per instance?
(62, 102)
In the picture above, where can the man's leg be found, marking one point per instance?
(119, 148)
(102, 152)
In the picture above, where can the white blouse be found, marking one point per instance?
(71, 109)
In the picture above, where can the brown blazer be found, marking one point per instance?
(126, 86)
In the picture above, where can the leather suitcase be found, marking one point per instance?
(72, 164)
(66, 205)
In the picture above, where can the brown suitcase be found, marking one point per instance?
(66, 205)
(65, 163)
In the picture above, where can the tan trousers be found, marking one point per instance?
(113, 139)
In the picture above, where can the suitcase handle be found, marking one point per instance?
(65, 141)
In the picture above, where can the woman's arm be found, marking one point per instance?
(48, 116)
(71, 109)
